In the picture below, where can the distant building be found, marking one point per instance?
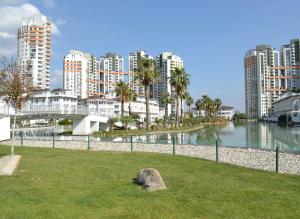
(133, 59)
(87, 76)
(34, 49)
(261, 85)
(53, 100)
(166, 63)
(269, 74)
(226, 112)
(286, 108)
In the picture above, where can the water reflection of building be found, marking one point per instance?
(268, 136)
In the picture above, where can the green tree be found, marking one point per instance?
(146, 75)
(126, 120)
(131, 97)
(111, 122)
(166, 100)
(217, 103)
(189, 101)
(179, 81)
(122, 92)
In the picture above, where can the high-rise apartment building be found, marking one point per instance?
(133, 60)
(290, 64)
(87, 76)
(166, 63)
(262, 85)
(268, 74)
(111, 71)
(34, 49)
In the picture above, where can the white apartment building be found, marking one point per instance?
(262, 85)
(86, 76)
(51, 100)
(111, 71)
(166, 63)
(225, 112)
(139, 107)
(34, 49)
(290, 64)
(133, 60)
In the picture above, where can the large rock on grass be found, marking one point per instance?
(150, 179)
(9, 164)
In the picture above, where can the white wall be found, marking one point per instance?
(4, 128)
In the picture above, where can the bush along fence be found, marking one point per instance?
(247, 157)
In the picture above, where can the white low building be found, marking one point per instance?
(286, 108)
(225, 112)
(139, 107)
(4, 121)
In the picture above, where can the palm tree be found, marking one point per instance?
(166, 100)
(122, 92)
(179, 81)
(189, 101)
(147, 75)
(217, 104)
(131, 97)
(199, 106)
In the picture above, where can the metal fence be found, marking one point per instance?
(271, 160)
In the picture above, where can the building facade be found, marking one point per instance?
(86, 76)
(290, 64)
(166, 63)
(133, 60)
(34, 49)
(225, 112)
(262, 85)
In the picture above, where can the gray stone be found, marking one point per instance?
(9, 164)
(150, 179)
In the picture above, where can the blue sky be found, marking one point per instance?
(210, 36)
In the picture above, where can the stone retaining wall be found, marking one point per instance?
(246, 157)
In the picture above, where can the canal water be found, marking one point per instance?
(246, 134)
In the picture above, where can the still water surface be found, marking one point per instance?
(246, 134)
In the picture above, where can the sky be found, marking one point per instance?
(211, 36)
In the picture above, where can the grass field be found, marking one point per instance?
(57, 183)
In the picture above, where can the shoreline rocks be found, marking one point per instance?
(246, 157)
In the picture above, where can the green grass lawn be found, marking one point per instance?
(57, 183)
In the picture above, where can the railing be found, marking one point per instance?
(266, 159)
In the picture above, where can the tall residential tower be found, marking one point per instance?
(34, 49)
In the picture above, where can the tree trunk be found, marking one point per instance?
(181, 110)
(177, 109)
(122, 107)
(129, 108)
(13, 137)
(165, 117)
(147, 105)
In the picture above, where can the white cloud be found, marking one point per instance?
(11, 20)
(6, 35)
(49, 3)
(56, 78)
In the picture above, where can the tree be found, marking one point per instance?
(199, 106)
(217, 103)
(16, 88)
(179, 81)
(122, 92)
(131, 97)
(166, 100)
(126, 120)
(146, 75)
(189, 101)
(111, 122)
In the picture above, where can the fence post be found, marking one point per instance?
(22, 139)
(174, 146)
(217, 151)
(53, 140)
(131, 144)
(277, 155)
(88, 142)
